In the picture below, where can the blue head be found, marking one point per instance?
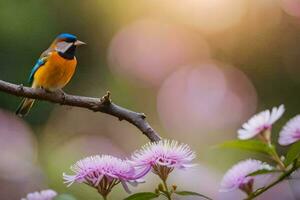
(66, 37)
(65, 44)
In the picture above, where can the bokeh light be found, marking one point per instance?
(210, 16)
(148, 50)
(19, 172)
(17, 147)
(205, 98)
(291, 7)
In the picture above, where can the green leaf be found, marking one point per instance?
(249, 145)
(292, 154)
(142, 196)
(189, 193)
(65, 197)
(263, 171)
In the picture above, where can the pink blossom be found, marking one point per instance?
(102, 172)
(260, 122)
(162, 157)
(237, 177)
(290, 133)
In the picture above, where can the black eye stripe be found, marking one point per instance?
(69, 40)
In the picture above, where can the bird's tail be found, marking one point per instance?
(24, 107)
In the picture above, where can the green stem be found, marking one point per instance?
(279, 162)
(276, 157)
(281, 178)
(167, 192)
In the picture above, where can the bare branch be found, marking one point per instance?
(104, 105)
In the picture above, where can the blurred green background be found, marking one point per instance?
(197, 68)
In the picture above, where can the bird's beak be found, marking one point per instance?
(79, 43)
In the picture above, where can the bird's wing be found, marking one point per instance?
(41, 61)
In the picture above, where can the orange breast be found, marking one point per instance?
(56, 72)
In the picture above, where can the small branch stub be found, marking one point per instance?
(106, 98)
(21, 88)
(143, 116)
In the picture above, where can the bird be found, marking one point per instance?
(54, 68)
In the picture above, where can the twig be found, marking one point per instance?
(104, 105)
(281, 178)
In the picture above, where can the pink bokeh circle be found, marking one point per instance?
(148, 50)
(205, 97)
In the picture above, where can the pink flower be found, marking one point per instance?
(42, 195)
(102, 172)
(237, 177)
(260, 122)
(162, 157)
(290, 133)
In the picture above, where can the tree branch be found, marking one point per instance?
(104, 105)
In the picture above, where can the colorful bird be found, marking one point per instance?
(54, 68)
